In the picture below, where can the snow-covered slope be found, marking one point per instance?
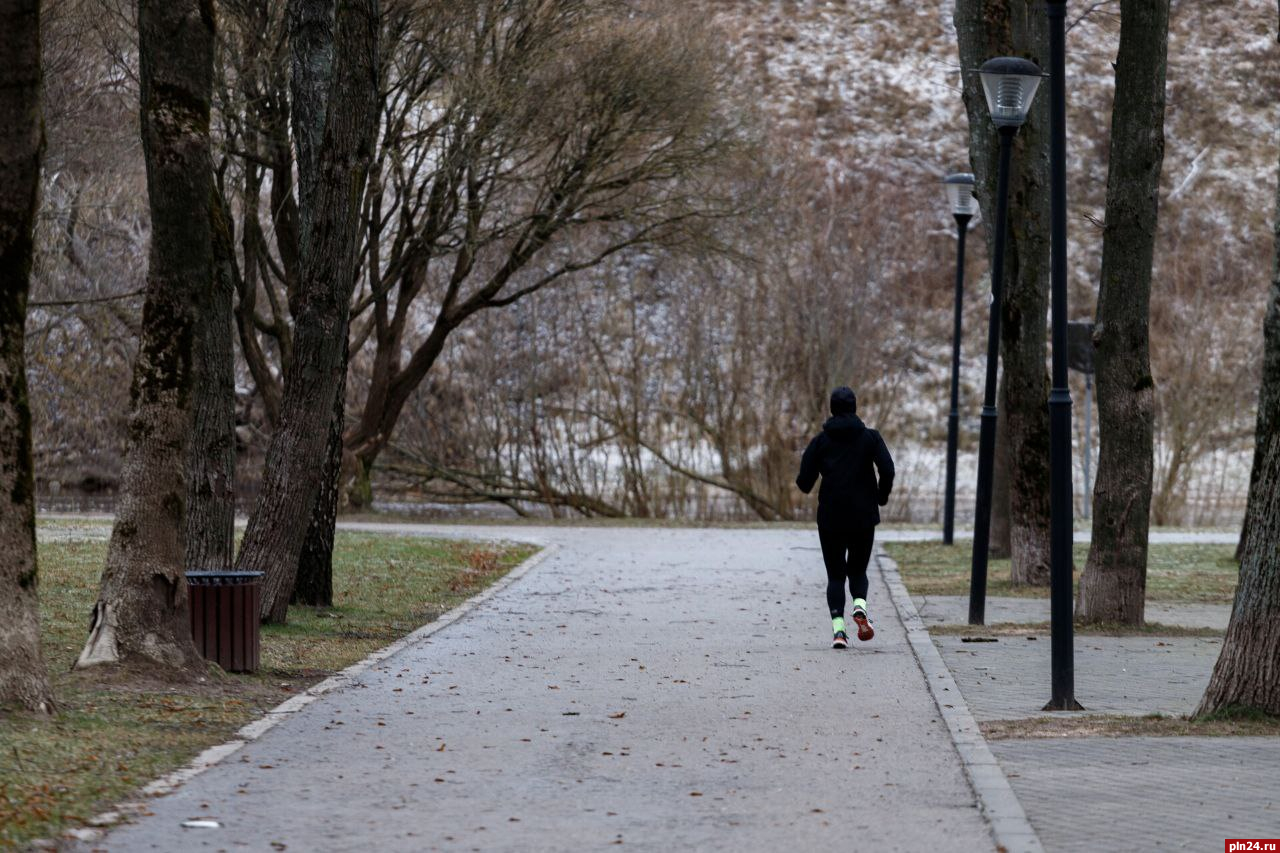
(872, 86)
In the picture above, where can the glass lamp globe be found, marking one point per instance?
(959, 189)
(1010, 85)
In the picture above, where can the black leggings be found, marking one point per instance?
(846, 549)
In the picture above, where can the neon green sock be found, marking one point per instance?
(860, 603)
(837, 624)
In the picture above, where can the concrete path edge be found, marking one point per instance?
(215, 755)
(1009, 825)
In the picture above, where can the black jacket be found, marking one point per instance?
(848, 455)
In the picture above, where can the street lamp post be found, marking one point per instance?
(963, 205)
(1060, 510)
(1010, 85)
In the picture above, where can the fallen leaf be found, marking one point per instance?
(618, 716)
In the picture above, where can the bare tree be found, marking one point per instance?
(1005, 28)
(504, 130)
(89, 271)
(664, 385)
(566, 118)
(1268, 422)
(1247, 673)
(334, 47)
(211, 463)
(141, 613)
(23, 679)
(1113, 587)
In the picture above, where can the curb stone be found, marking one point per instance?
(215, 755)
(1009, 825)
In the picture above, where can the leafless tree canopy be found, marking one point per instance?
(682, 266)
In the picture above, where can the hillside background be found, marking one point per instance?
(668, 384)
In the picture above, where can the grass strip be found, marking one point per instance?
(116, 731)
(1115, 725)
(1176, 572)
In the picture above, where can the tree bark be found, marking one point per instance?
(314, 583)
(1268, 422)
(1247, 674)
(141, 613)
(1113, 587)
(24, 680)
(335, 96)
(988, 28)
(211, 466)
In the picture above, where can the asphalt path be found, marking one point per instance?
(656, 688)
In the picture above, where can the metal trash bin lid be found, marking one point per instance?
(221, 578)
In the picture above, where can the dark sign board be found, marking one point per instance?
(1080, 346)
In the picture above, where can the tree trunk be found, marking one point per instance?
(1113, 587)
(211, 466)
(314, 584)
(24, 681)
(1268, 423)
(335, 96)
(1248, 669)
(141, 613)
(1247, 674)
(999, 546)
(987, 28)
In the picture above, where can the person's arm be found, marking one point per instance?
(884, 468)
(810, 465)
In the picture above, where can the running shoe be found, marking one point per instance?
(865, 631)
(840, 641)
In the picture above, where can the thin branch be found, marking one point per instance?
(67, 303)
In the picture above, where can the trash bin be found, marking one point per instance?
(224, 617)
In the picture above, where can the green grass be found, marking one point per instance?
(1197, 573)
(115, 732)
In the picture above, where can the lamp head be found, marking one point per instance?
(959, 189)
(1010, 85)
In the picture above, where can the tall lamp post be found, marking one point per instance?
(959, 189)
(1060, 510)
(1010, 85)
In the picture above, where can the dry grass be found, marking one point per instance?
(1155, 725)
(115, 731)
(1094, 629)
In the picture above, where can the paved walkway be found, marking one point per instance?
(663, 689)
(1009, 679)
(1084, 794)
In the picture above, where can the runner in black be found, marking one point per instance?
(857, 477)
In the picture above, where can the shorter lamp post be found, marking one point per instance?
(959, 189)
(1010, 85)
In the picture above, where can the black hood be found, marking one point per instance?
(844, 427)
(844, 401)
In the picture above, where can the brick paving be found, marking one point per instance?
(1145, 793)
(1115, 793)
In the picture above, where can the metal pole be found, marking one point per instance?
(953, 419)
(987, 433)
(1060, 498)
(1088, 441)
